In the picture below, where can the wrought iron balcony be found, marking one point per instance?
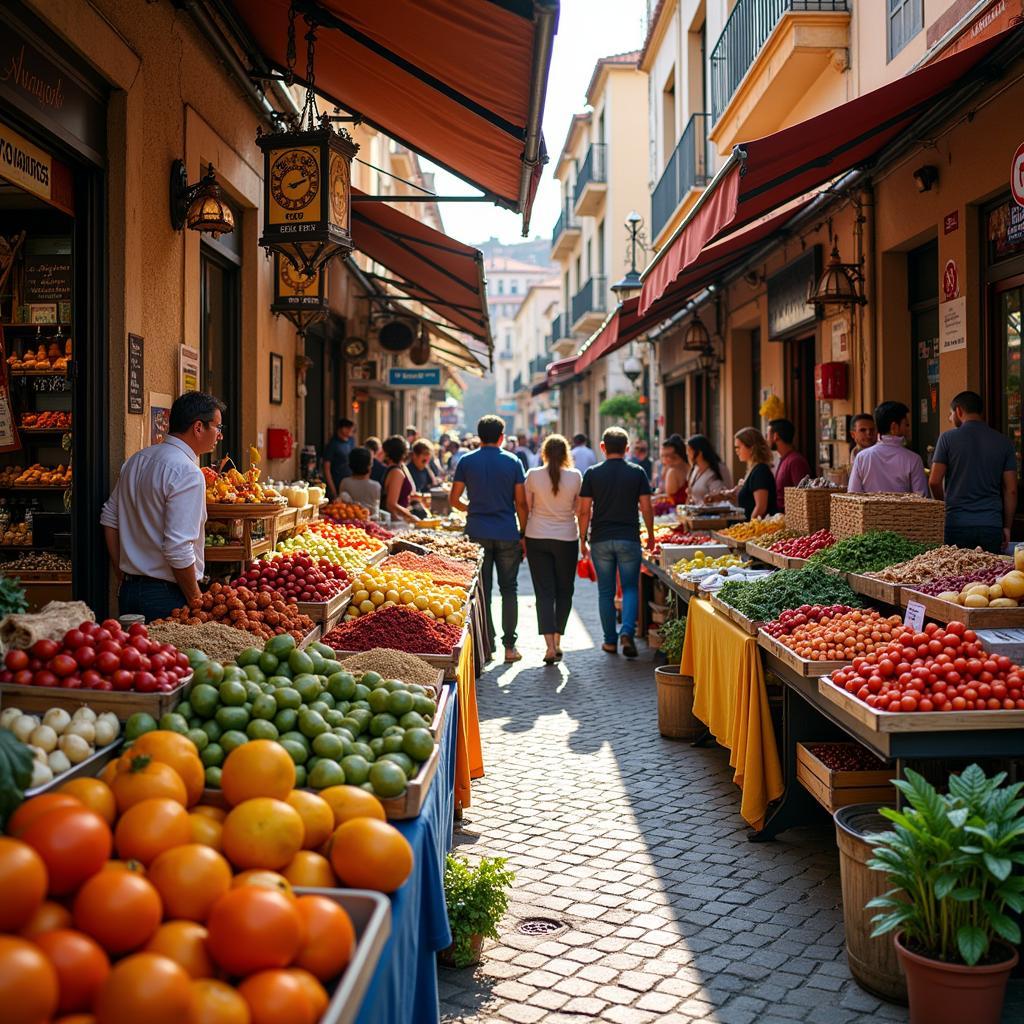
(560, 328)
(567, 228)
(591, 180)
(539, 364)
(687, 169)
(517, 384)
(505, 354)
(748, 27)
(590, 302)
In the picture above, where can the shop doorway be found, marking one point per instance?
(799, 397)
(675, 409)
(220, 336)
(1006, 413)
(923, 296)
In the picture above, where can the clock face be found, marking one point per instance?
(355, 348)
(294, 179)
(339, 190)
(295, 279)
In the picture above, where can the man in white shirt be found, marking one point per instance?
(583, 456)
(154, 519)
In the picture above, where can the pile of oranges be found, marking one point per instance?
(126, 900)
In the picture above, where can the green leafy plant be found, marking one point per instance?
(621, 407)
(673, 632)
(951, 859)
(477, 899)
(15, 772)
(12, 596)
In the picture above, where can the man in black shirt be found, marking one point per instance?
(612, 492)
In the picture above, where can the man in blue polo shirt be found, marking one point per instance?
(494, 482)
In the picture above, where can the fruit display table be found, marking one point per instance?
(403, 989)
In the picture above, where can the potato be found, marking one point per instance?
(1003, 602)
(995, 591)
(952, 596)
(1013, 585)
(976, 588)
(976, 601)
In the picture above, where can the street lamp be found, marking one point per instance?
(631, 282)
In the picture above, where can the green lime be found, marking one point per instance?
(404, 761)
(204, 699)
(381, 722)
(308, 686)
(418, 744)
(268, 663)
(399, 703)
(212, 729)
(286, 719)
(326, 773)
(231, 739)
(213, 777)
(390, 744)
(362, 691)
(232, 718)
(174, 722)
(413, 720)
(185, 709)
(264, 706)
(212, 756)
(316, 658)
(196, 656)
(330, 667)
(378, 700)
(250, 656)
(283, 670)
(311, 723)
(267, 686)
(280, 645)
(328, 745)
(333, 717)
(357, 769)
(312, 763)
(387, 779)
(361, 705)
(199, 738)
(425, 706)
(234, 672)
(255, 674)
(377, 746)
(261, 729)
(287, 697)
(325, 696)
(300, 661)
(341, 685)
(364, 750)
(415, 689)
(296, 737)
(277, 681)
(392, 685)
(211, 672)
(371, 679)
(321, 648)
(137, 724)
(300, 776)
(318, 706)
(368, 786)
(233, 693)
(296, 751)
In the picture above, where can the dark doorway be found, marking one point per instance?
(799, 398)
(675, 409)
(923, 296)
(220, 341)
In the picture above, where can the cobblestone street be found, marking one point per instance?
(635, 844)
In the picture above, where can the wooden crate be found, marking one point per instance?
(312, 635)
(327, 613)
(446, 662)
(917, 721)
(749, 626)
(729, 542)
(770, 557)
(659, 612)
(801, 666)
(973, 618)
(807, 508)
(876, 589)
(410, 803)
(918, 519)
(124, 704)
(834, 789)
(672, 553)
(654, 639)
(443, 698)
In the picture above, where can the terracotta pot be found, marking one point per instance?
(942, 993)
(447, 956)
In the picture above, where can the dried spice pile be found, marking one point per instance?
(219, 641)
(452, 545)
(946, 561)
(399, 627)
(393, 664)
(441, 569)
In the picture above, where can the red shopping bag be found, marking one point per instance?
(585, 570)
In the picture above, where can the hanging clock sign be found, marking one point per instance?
(302, 299)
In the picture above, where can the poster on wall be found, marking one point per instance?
(135, 374)
(188, 369)
(841, 340)
(953, 325)
(159, 418)
(10, 441)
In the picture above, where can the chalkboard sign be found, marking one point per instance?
(135, 375)
(48, 278)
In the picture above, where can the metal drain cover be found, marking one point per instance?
(539, 926)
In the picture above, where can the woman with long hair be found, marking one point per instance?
(674, 466)
(705, 476)
(552, 539)
(398, 487)
(755, 493)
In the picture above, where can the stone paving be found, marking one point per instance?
(635, 845)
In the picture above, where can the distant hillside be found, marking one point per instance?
(536, 250)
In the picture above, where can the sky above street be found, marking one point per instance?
(587, 30)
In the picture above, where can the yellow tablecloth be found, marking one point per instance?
(729, 696)
(469, 758)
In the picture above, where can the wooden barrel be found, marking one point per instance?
(872, 962)
(675, 704)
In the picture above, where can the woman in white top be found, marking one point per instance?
(552, 539)
(706, 469)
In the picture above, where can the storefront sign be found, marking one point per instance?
(188, 369)
(23, 164)
(363, 371)
(950, 280)
(135, 374)
(449, 415)
(841, 339)
(414, 377)
(788, 310)
(951, 222)
(953, 325)
(1017, 175)
(48, 278)
(997, 16)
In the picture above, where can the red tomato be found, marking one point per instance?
(106, 663)
(44, 649)
(16, 660)
(74, 843)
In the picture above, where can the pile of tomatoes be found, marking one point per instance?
(195, 918)
(938, 669)
(792, 618)
(843, 634)
(804, 547)
(296, 576)
(99, 656)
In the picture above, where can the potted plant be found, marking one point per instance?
(955, 863)
(477, 899)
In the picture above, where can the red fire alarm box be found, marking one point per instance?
(279, 443)
(830, 380)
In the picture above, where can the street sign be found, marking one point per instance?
(950, 280)
(414, 377)
(1017, 175)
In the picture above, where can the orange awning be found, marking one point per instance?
(460, 83)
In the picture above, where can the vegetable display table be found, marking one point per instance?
(403, 989)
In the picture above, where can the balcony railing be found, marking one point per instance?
(687, 168)
(539, 364)
(594, 169)
(560, 328)
(566, 222)
(590, 298)
(746, 31)
(517, 384)
(505, 354)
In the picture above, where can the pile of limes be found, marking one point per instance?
(702, 561)
(377, 587)
(351, 559)
(338, 727)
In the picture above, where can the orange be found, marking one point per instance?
(312, 870)
(36, 806)
(28, 982)
(352, 802)
(95, 794)
(81, 965)
(48, 917)
(267, 879)
(262, 832)
(108, 773)
(253, 929)
(134, 866)
(371, 854)
(316, 992)
(179, 753)
(149, 827)
(184, 942)
(257, 768)
(73, 842)
(190, 879)
(217, 813)
(23, 883)
(140, 777)
(119, 909)
(317, 817)
(329, 939)
(277, 997)
(206, 830)
(145, 988)
(218, 1003)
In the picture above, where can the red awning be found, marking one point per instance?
(763, 174)
(460, 83)
(427, 265)
(561, 370)
(609, 336)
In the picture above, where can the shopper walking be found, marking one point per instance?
(792, 467)
(889, 466)
(609, 498)
(336, 453)
(552, 539)
(153, 522)
(494, 482)
(705, 477)
(974, 469)
(583, 456)
(755, 493)
(674, 467)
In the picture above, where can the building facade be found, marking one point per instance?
(536, 409)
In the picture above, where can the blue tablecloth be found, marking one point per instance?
(404, 986)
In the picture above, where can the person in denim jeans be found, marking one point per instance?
(493, 480)
(612, 492)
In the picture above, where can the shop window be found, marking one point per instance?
(906, 19)
(923, 295)
(755, 377)
(220, 342)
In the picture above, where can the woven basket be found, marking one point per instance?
(918, 519)
(807, 508)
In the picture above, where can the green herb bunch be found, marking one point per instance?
(477, 900)
(673, 633)
(955, 863)
(764, 599)
(868, 552)
(12, 597)
(15, 772)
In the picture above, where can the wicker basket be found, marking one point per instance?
(807, 508)
(918, 519)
